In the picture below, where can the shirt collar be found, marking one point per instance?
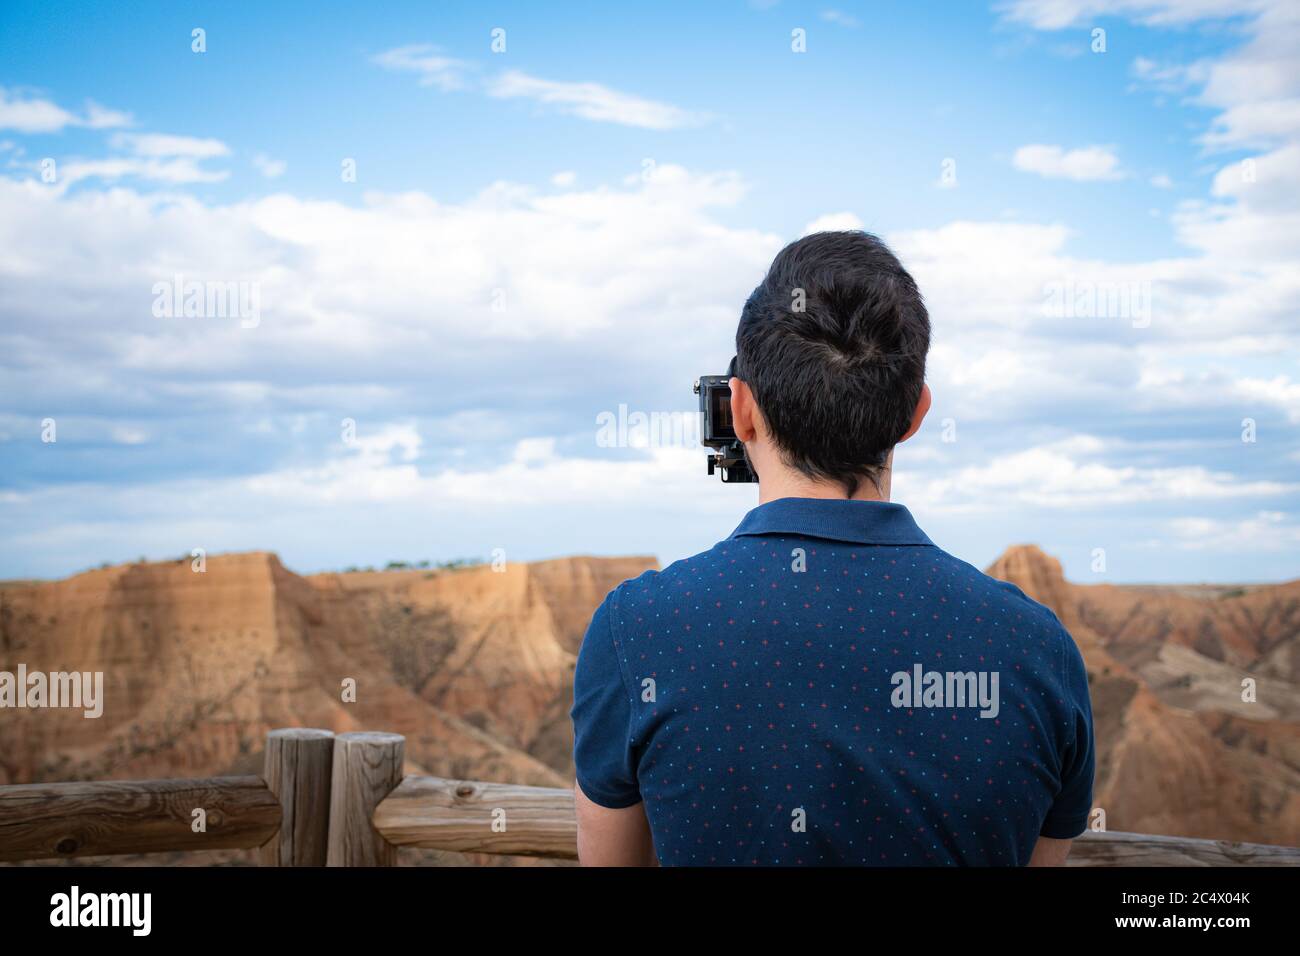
(835, 519)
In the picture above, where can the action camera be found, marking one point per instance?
(716, 431)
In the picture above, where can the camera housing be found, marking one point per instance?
(728, 456)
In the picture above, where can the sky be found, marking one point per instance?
(361, 287)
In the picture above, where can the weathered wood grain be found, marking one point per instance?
(440, 814)
(475, 817)
(43, 820)
(367, 766)
(1141, 849)
(297, 769)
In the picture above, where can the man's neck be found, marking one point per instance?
(786, 483)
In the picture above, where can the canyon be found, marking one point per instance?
(474, 666)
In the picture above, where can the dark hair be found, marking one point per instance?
(832, 343)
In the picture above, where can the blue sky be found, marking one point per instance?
(864, 119)
(543, 233)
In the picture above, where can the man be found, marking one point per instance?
(826, 686)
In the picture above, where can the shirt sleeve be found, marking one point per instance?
(602, 715)
(1069, 814)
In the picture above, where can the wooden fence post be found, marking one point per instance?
(297, 769)
(367, 767)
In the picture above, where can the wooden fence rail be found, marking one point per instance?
(475, 817)
(343, 801)
(44, 820)
(1142, 849)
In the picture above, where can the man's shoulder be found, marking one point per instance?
(1003, 594)
(678, 581)
(656, 582)
(694, 577)
(1001, 603)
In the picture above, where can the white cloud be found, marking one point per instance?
(1266, 531)
(593, 101)
(1054, 162)
(993, 279)
(375, 490)
(833, 222)
(532, 475)
(1255, 86)
(564, 179)
(1254, 124)
(1279, 391)
(1058, 475)
(402, 282)
(159, 145)
(180, 171)
(582, 273)
(1254, 213)
(99, 117)
(30, 114)
(152, 156)
(841, 18)
(157, 157)
(1162, 181)
(270, 168)
(1170, 77)
(430, 65)
(405, 284)
(1057, 14)
(127, 435)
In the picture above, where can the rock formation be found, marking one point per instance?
(475, 667)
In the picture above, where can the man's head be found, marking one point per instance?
(831, 350)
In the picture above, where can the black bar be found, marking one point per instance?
(192, 906)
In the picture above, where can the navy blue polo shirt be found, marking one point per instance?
(826, 686)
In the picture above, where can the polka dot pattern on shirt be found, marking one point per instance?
(756, 683)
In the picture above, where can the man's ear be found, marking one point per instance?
(918, 416)
(743, 410)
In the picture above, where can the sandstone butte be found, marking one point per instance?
(475, 668)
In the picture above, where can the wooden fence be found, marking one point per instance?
(342, 800)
